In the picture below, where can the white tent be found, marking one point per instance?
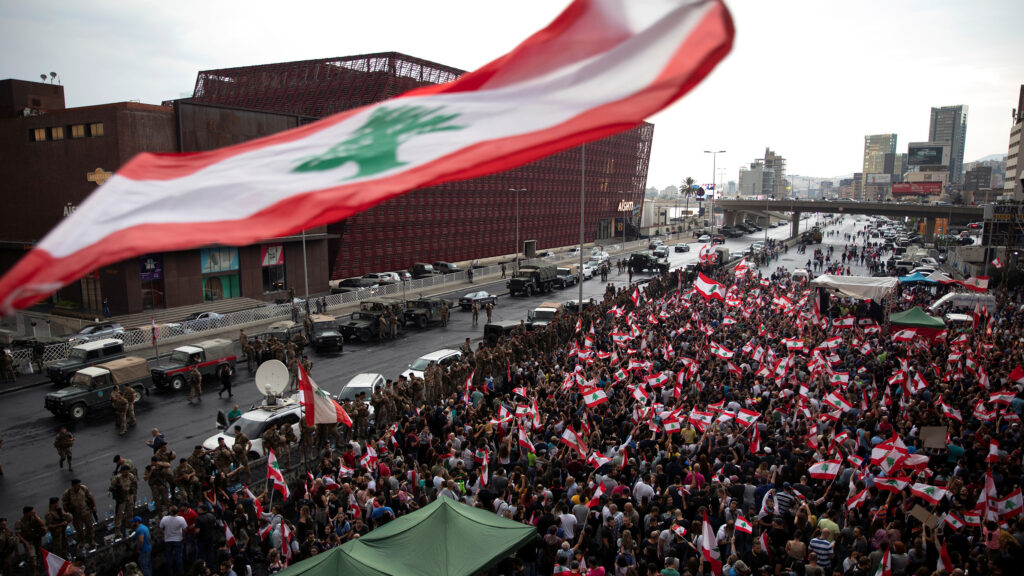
(939, 277)
(860, 287)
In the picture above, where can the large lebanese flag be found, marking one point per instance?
(320, 408)
(599, 68)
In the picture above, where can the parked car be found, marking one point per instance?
(286, 412)
(682, 247)
(325, 333)
(199, 321)
(382, 278)
(353, 284)
(704, 238)
(718, 240)
(97, 332)
(402, 275)
(441, 267)
(567, 276)
(440, 358)
(481, 298)
(421, 270)
(588, 270)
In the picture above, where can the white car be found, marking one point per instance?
(361, 384)
(588, 270)
(929, 261)
(440, 358)
(599, 257)
(255, 422)
(704, 238)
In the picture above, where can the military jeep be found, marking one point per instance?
(424, 311)
(641, 261)
(90, 388)
(324, 333)
(364, 324)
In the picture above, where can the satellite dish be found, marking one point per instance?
(272, 378)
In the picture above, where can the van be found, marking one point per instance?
(495, 331)
(965, 300)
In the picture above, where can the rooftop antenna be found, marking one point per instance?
(53, 76)
(43, 77)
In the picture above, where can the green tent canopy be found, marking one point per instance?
(444, 538)
(916, 318)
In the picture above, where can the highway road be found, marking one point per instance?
(31, 474)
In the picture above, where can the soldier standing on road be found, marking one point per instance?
(489, 308)
(30, 530)
(78, 501)
(8, 546)
(225, 381)
(444, 314)
(124, 487)
(195, 384)
(130, 398)
(382, 325)
(119, 404)
(57, 521)
(307, 364)
(38, 350)
(293, 375)
(257, 355)
(241, 448)
(243, 339)
(476, 312)
(393, 320)
(502, 269)
(7, 365)
(63, 443)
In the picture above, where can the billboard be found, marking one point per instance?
(927, 154)
(918, 188)
(878, 178)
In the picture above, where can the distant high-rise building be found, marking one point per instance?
(1014, 168)
(776, 165)
(752, 179)
(949, 126)
(875, 149)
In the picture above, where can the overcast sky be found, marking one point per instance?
(807, 78)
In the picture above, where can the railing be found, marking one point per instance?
(142, 337)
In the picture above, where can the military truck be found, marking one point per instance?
(325, 334)
(424, 311)
(534, 277)
(542, 315)
(363, 324)
(90, 388)
(283, 330)
(82, 356)
(646, 261)
(495, 331)
(210, 356)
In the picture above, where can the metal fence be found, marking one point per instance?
(138, 338)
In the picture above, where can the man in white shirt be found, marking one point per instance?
(643, 490)
(173, 527)
(567, 522)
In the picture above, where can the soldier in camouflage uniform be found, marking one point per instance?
(257, 354)
(489, 309)
(198, 461)
(287, 439)
(157, 475)
(293, 375)
(195, 384)
(444, 313)
(57, 521)
(307, 364)
(393, 322)
(78, 501)
(476, 312)
(124, 488)
(241, 448)
(379, 410)
(119, 404)
(7, 365)
(222, 457)
(30, 530)
(382, 325)
(130, 400)
(186, 481)
(361, 421)
(307, 439)
(270, 439)
(63, 443)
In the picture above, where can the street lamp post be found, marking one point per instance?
(714, 172)
(517, 191)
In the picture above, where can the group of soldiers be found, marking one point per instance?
(122, 400)
(289, 352)
(489, 308)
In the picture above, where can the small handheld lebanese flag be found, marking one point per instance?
(228, 536)
(993, 451)
(596, 499)
(709, 547)
(826, 470)
(573, 440)
(55, 565)
(595, 398)
(1017, 375)
(255, 501)
(885, 566)
(997, 263)
(320, 408)
(932, 494)
(743, 526)
(274, 474)
(635, 297)
(708, 288)
(597, 459)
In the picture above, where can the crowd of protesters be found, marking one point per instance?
(667, 431)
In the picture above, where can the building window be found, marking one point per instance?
(215, 260)
(219, 267)
(78, 131)
(273, 268)
(96, 129)
(57, 133)
(39, 135)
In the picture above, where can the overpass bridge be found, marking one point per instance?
(735, 211)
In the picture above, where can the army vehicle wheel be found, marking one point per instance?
(178, 383)
(529, 291)
(421, 321)
(78, 411)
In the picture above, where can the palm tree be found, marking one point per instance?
(687, 189)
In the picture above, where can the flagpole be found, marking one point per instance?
(583, 187)
(305, 270)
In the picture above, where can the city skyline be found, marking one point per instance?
(800, 84)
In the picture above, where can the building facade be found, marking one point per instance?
(949, 126)
(456, 221)
(1014, 166)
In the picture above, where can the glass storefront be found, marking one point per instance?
(220, 273)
